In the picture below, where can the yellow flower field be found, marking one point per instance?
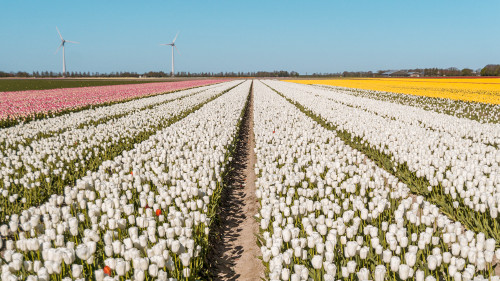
(484, 90)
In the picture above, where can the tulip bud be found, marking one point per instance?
(490, 245)
(76, 270)
(153, 270)
(185, 259)
(139, 275)
(108, 250)
(317, 262)
(345, 272)
(379, 273)
(395, 261)
(351, 267)
(419, 275)
(287, 235)
(363, 274)
(99, 275)
(350, 249)
(386, 256)
(404, 271)
(121, 267)
(431, 262)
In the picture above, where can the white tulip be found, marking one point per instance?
(363, 274)
(380, 271)
(185, 258)
(394, 263)
(99, 275)
(404, 271)
(76, 270)
(317, 262)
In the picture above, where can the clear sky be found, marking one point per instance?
(305, 36)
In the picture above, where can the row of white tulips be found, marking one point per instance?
(329, 213)
(466, 171)
(50, 162)
(24, 133)
(144, 215)
(484, 113)
(448, 126)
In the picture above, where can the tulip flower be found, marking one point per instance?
(317, 262)
(107, 270)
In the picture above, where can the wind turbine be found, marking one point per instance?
(173, 46)
(63, 42)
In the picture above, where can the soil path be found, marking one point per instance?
(236, 253)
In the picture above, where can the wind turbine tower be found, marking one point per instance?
(63, 42)
(173, 46)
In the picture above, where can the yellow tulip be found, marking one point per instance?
(483, 90)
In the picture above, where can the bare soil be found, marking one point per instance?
(235, 255)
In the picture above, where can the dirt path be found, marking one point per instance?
(236, 254)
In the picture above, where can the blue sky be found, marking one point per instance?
(305, 36)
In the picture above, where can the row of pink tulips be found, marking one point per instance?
(25, 103)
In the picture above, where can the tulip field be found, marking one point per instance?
(351, 184)
(484, 90)
(37, 104)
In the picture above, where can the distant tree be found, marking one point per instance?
(6, 74)
(22, 74)
(491, 70)
(467, 72)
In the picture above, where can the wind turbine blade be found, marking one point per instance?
(72, 42)
(58, 48)
(177, 50)
(59, 33)
(175, 37)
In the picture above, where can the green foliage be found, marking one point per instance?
(491, 70)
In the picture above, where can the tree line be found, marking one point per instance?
(491, 70)
(154, 74)
(488, 70)
(421, 72)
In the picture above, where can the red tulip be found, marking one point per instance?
(107, 270)
(158, 212)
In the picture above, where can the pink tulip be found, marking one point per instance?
(26, 103)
